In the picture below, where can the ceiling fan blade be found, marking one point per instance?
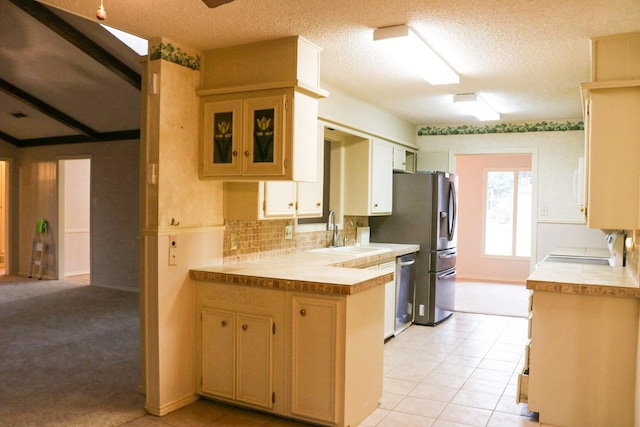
(216, 3)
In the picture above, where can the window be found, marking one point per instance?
(508, 213)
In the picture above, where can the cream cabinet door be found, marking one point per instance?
(218, 353)
(237, 356)
(221, 143)
(399, 158)
(381, 177)
(254, 359)
(279, 199)
(314, 354)
(613, 155)
(310, 194)
(264, 136)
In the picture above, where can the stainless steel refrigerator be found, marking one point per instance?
(425, 212)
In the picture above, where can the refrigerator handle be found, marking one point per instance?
(447, 275)
(454, 212)
(448, 255)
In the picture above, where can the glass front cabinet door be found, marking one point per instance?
(222, 138)
(264, 136)
(244, 137)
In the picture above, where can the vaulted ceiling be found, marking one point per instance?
(64, 79)
(525, 57)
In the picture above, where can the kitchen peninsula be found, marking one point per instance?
(299, 336)
(581, 362)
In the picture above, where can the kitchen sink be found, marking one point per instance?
(576, 259)
(352, 250)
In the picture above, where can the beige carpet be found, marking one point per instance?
(70, 354)
(503, 299)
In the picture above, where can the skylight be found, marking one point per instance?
(135, 43)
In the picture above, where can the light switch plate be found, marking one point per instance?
(288, 232)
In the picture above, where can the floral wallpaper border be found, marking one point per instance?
(169, 52)
(502, 128)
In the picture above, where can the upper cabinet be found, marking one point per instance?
(240, 134)
(277, 199)
(259, 109)
(368, 178)
(245, 136)
(403, 160)
(615, 57)
(612, 152)
(612, 156)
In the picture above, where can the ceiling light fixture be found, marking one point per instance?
(472, 104)
(101, 14)
(412, 51)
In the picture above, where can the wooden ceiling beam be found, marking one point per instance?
(79, 40)
(125, 135)
(47, 109)
(11, 140)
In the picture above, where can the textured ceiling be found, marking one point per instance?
(525, 57)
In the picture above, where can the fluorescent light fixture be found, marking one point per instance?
(472, 104)
(135, 43)
(411, 50)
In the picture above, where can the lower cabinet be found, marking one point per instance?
(314, 348)
(582, 360)
(240, 345)
(238, 350)
(287, 352)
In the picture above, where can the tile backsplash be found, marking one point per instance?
(263, 239)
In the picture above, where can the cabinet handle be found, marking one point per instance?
(223, 323)
(244, 327)
(291, 204)
(246, 153)
(303, 312)
(318, 204)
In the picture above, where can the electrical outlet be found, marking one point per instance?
(234, 241)
(288, 232)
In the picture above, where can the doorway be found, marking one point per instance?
(4, 220)
(74, 209)
(495, 224)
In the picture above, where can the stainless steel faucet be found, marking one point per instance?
(331, 226)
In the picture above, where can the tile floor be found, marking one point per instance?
(462, 372)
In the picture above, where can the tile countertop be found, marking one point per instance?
(327, 273)
(583, 279)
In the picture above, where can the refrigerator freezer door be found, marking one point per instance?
(435, 302)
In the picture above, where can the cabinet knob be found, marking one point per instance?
(223, 323)
(318, 204)
(303, 312)
(244, 327)
(375, 205)
(235, 153)
(290, 204)
(246, 153)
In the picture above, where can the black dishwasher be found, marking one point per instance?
(405, 288)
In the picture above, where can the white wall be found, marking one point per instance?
(554, 160)
(354, 114)
(551, 235)
(115, 207)
(77, 215)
